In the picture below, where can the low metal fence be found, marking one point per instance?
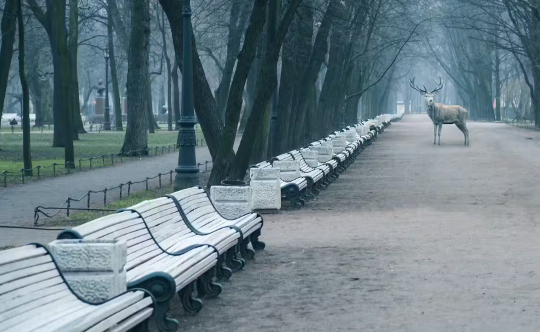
(93, 198)
(56, 169)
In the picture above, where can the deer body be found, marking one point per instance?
(447, 114)
(444, 114)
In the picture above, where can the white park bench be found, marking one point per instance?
(159, 242)
(197, 210)
(294, 191)
(315, 177)
(34, 296)
(327, 168)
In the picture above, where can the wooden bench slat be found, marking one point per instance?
(37, 303)
(20, 283)
(32, 296)
(14, 266)
(118, 317)
(132, 321)
(26, 272)
(33, 319)
(18, 254)
(88, 315)
(30, 289)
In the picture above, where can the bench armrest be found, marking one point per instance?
(161, 287)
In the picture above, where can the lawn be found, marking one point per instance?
(90, 145)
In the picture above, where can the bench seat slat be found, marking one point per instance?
(11, 309)
(14, 266)
(89, 315)
(18, 254)
(132, 321)
(33, 319)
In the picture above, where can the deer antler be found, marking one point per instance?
(414, 86)
(439, 85)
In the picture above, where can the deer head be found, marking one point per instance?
(428, 95)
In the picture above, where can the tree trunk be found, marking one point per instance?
(9, 20)
(260, 147)
(53, 20)
(225, 153)
(238, 17)
(326, 108)
(266, 86)
(137, 79)
(114, 77)
(150, 111)
(497, 85)
(169, 69)
(310, 74)
(290, 66)
(176, 95)
(73, 45)
(27, 158)
(249, 92)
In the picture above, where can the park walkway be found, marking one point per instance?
(412, 237)
(17, 203)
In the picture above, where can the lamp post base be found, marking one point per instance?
(106, 126)
(186, 178)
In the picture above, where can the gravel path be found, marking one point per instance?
(412, 237)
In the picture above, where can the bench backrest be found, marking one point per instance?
(197, 206)
(29, 279)
(297, 155)
(128, 226)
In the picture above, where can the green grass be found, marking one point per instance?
(90, 145)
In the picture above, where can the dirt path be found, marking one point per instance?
(412, 237)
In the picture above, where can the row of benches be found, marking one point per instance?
(175, 244)
(341, 147)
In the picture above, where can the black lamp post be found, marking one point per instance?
(106, 118)
(187, 171)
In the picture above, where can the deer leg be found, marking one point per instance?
(440, 128)
(434, 133)
(466, 132)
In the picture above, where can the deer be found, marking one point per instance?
(443, 114)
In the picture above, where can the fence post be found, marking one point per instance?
(129, 188)
(91, 162)
(54, 169)
(146, 184)
(5, 178)
(68, 206)
(170, 177)
(38, 168)
(22, 175)
(159, 176)
(121, 185)
(88, 200)
(103, 158)
(105, 196)
(112, 159)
